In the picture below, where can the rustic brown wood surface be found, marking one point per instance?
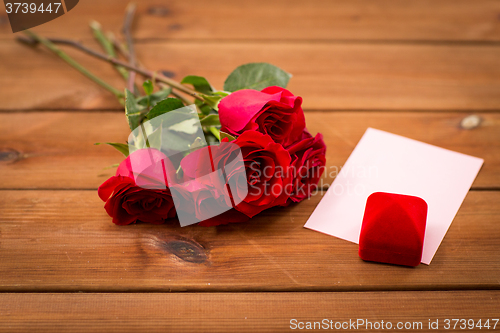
(329, 75)
(239, 312)
(56, 149)
(64, 241)
(414, 68)
(381, 20)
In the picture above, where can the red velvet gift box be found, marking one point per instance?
(393, 229)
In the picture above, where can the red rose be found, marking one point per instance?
(261, 182)
(266, 164)
(274, 111)
(197, 201)
(308, 164)
(204, 192)
(127, 202)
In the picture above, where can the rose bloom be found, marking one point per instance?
(150, 201)
(198, 201)
(260, 182)
(307, 166)
(274, 111)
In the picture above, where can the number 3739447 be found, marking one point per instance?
(26, 7)
(464, 324)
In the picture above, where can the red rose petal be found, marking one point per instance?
(236, 109)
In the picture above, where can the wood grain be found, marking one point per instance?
(238, 312)
(380, 20)
(329, 76)
(65, 267)
(64, 241)
(54, 150)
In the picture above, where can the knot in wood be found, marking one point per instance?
(9, 155)
(187, 250)
(470, 122)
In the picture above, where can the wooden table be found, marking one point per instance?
(414, 68)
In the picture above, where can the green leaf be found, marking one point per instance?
(204, 108)
(226, 135)
(121, 147)
(165, 106)
(199, 83)
(221, 93)
(212, 101)
(160, 96)
(154, 98)
(256, 76)
(179, 130)
(210, 120)
(148, 87)
(188, 125)
(175, 141)
(133, 111)
(154, 139)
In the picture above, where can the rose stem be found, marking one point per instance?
(124, 53)
(143, 72)
(107, 46)
(182, 98)
(129, 53)
(215, 132)
(75, 64)
(126, 30)
(119, 46)
(122, 50)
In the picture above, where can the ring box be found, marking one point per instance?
(393, 229)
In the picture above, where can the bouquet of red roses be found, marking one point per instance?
(265, 157)
(202, 155)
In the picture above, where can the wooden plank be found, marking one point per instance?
(459, 20)
(54, 150)
(340, 76)
(242, 312)
(64, 241)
